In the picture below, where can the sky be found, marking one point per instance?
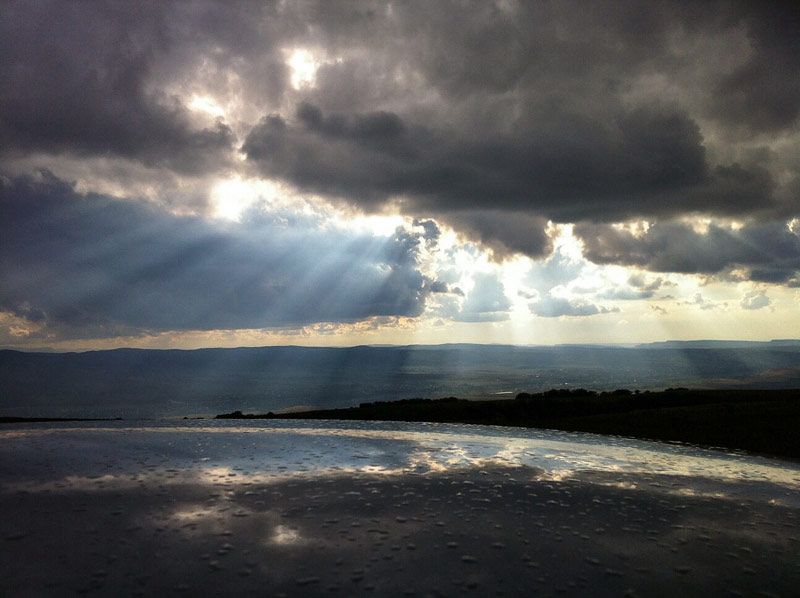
(194, 174)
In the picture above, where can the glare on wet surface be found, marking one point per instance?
(303, 507)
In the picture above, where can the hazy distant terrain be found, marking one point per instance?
(157, 383)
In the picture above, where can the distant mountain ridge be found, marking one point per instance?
(712, 344)
(171, 382)
(704, 344)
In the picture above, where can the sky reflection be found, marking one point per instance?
(119, 454)
(386, 508)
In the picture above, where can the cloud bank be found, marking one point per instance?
(98, 265)
(666, 133)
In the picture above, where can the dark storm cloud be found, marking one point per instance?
(492, 117)
(570, 167)
(763, 94)
(770, 250)
(504, 232)
(96, 78)
(359, 156)
(535, 111)
(378, 129)
(432, 231)
(99, 263)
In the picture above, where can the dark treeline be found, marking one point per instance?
(762, 421)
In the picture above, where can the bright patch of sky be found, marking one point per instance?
(304, 68)
(207, 105)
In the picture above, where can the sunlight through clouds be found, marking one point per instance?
(207, 105)
(233, 196)
(454, 163)
(304, 68)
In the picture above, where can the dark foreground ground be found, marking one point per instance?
(760, 421)
(490, 533)
(212, 509)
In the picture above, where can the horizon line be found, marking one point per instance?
(631, 345)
